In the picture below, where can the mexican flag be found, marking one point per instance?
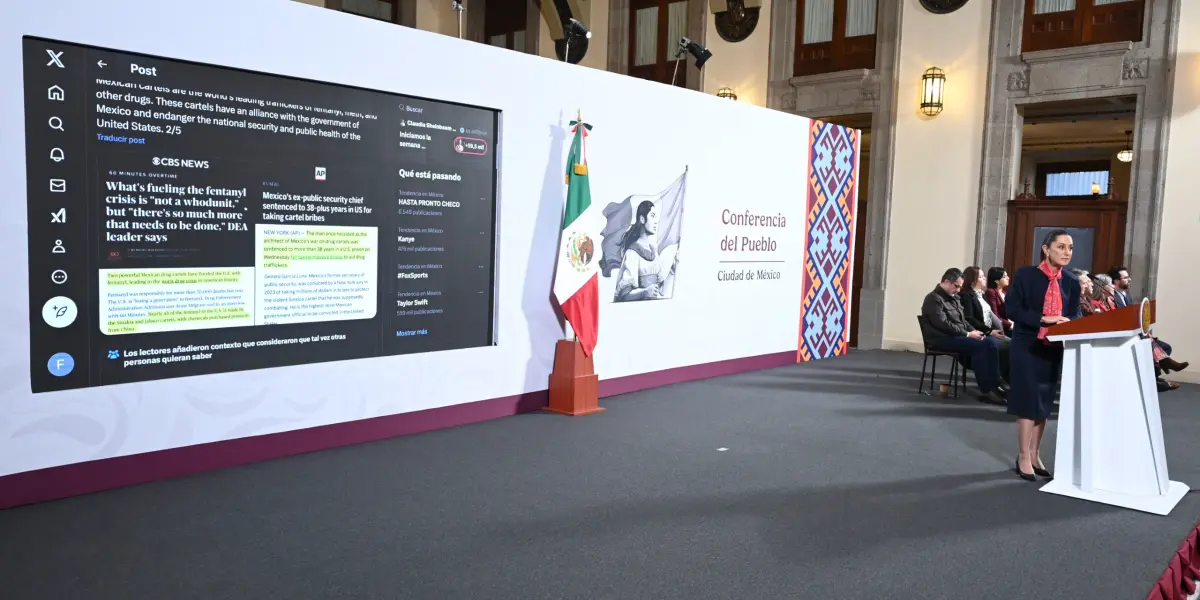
(576, 281)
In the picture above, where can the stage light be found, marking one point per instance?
(933, 85)
(574, 27)
(700, 53)
(726, 93)
(458, 8)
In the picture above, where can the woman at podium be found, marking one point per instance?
(1038, 298)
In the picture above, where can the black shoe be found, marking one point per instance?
(995, 397)
(1166, 386)
(1024, 475)
(1041, 472)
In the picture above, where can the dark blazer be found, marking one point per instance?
(996, 301)
(943, 315)
(973, 312)
(1121, 297)
(1027, 295)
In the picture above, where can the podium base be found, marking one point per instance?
(1158, 505)
(574, 385)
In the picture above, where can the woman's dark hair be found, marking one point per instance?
(1050, 239)
(970, 276)
(637, 228)
(994, 275)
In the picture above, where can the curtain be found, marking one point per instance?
(645, 52)
(1041, 7)
(1103, 2)
(818, 21)
(519, 41)
(1076, 184)
(677, 26)
(860, 17)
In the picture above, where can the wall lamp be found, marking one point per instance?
(726, 93)
(933, 85)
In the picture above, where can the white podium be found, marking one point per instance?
(1110, 441)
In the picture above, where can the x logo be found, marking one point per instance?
(55, 59)
(59, 216)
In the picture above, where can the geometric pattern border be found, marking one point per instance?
(832, 193)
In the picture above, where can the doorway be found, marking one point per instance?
(1075, 175)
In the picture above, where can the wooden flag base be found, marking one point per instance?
(574, 385)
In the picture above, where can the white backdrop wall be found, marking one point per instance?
(738, 158)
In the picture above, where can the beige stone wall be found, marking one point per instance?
(935, 178)
(741, 66)
(1179, 249)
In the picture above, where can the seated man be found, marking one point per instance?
(945, 329)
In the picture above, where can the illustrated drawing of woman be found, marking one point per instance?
(645, 274)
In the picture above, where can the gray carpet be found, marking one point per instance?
(838, 481)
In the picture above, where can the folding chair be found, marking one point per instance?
(957, 369)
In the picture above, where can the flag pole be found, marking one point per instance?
(578, 123)
(574, 385)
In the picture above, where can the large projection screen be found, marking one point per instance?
(188, 219)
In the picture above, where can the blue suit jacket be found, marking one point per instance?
(1027, 295)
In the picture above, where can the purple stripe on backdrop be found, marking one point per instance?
(93, 476)
(633, 383)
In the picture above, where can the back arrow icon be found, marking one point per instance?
(100, 63)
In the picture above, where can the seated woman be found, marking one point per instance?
(1085, 291)
(980, 316)
(1103, 301)
(997, 287)
(1102, 293)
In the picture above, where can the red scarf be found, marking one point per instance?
(1053, 306)
(1104, 305)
